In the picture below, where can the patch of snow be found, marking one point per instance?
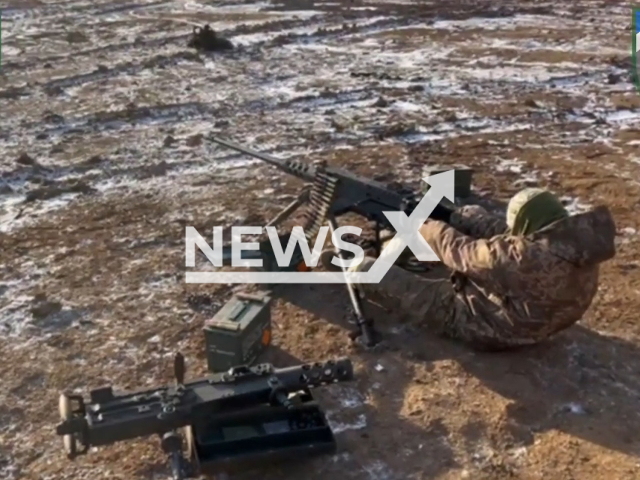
(624, 117)
(339, 427)
(378, 470)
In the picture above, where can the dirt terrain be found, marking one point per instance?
(105, 157)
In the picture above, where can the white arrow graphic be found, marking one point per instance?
(442, 186)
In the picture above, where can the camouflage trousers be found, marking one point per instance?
(433, 303)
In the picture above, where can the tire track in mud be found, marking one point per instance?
(334, 24)
(141, 43)
(53, 17)
(501, 89)
(54, 86)
(125, 68)
(399, 18)
(428, 126)
(118, 120)
(16, 19)
(147, 116)
(99, 170)
(329, 101)
(132, 7)
(101, 174)
(102, 73)
(51, 11)
(325, 30)
(166, 114)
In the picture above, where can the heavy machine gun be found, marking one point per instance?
(241, 418)
(335, 192)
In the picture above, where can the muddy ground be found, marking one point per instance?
(105, 157)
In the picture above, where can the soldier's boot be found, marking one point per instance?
(431, 303)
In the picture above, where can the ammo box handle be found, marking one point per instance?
(238, 310)
(248, 296)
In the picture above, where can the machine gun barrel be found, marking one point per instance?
(109, 417)
(292, 167)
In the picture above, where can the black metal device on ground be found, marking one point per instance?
(259, 436)
(335, 192)
(239, 332)
(245, 417)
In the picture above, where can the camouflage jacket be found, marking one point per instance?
(525, 288)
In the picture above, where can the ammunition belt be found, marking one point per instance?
(320, 200)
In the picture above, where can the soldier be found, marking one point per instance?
(514, 283)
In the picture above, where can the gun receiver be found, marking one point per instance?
(109, 417)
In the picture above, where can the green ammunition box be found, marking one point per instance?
(239, 332)
(462, 178)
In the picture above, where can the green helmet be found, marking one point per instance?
(532, 209)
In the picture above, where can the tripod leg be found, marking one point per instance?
(365, 327)
(172, 446)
